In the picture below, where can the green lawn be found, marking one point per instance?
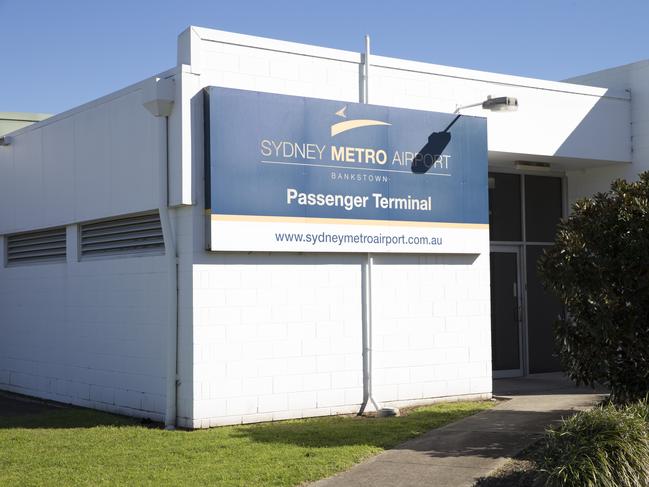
(84, 447)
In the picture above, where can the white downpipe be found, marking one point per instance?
(367, 277)
(172, 299)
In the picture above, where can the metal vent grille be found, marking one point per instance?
(39, 246)
(125, 235)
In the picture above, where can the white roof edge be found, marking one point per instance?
(265, 43)
(93, 103)
(497, 78)
(269, 44)
(23, 116)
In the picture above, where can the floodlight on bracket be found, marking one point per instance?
(498, 104)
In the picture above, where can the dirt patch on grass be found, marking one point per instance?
(521, 471)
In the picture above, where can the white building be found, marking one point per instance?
(109, 298)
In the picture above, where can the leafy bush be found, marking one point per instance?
(641, 410)
(607, 447)
(599, 268)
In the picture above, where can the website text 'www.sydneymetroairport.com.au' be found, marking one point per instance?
(323, 238)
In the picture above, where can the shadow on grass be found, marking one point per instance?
(21, 412)
(498, 434)
(67, 418)
(321, 432)
(352, 431)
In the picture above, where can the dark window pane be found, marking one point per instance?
(504, 311)
(542, 311)
(505, 207)
(542, 207)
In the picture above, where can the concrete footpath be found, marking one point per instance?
(458, 454)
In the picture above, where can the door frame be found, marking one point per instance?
(522, 313)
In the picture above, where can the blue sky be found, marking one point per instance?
(59, 54)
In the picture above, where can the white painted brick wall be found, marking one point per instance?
(279, 336)
(425, 325)
(91, 333)
(299, 354)
(633, 77)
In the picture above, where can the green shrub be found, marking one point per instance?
(604, 447)
(599, 268)
(641, 410)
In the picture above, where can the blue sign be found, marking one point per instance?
(271, 155)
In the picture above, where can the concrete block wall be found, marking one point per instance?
(184, 223)
(90, 332)
(279, 335)
(635, 78)
(276, 336)
(431, 330)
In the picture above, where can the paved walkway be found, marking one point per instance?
(458, 454)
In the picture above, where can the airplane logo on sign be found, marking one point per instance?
(340, 127)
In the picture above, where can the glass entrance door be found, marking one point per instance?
(506, 312)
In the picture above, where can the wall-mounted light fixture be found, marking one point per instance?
(498, 104)
(6, 140)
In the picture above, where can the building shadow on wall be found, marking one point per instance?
(270, 259)
(437, 142)
(603, 135)
(425, 259)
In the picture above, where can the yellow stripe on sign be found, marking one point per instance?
(341, 127)
(344, 221)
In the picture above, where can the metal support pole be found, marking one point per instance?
(367, 277)
(366, 71)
